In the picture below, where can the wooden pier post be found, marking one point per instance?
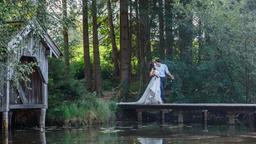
(42, 119)
(180, 117)
(162, 113)
(5, 122)
(139, 117)
(252, 120)
(43, 110)
(205, 119)
(231, 117)
(10, 113)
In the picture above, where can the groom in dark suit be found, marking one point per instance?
(163, 71)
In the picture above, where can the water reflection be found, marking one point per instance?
(205, 127)
(150, 140)
(154, 134)
(42, 138)
(231, 130)
(5, 139)
(20, 137)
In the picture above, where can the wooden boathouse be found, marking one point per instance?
(31, 43)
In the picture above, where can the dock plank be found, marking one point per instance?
(188, 106)
(27, 106)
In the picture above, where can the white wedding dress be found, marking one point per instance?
(152, 94)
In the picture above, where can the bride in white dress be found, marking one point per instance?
(152, 94)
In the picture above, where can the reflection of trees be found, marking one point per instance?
(89, 136)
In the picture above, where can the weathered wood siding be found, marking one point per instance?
(32, 46)
(2, 87)
(31, 49)
(30, 92)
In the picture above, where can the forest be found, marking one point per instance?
(108, 45)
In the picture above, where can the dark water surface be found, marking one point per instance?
(150, 134)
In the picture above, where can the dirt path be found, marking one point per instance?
(108, 95)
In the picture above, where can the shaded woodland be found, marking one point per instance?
(107, 46)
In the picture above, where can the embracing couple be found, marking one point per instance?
(154, 93)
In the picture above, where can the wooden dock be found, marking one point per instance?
(231, 109)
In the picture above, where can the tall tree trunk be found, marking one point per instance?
(65, 33)
(144, 38)
(185, 36)
(96, 55)
(200, 41)
(137, 33)
(87, 61)
(112, 36)
(124, 47)
(130, 21)
(185, 43)
(169, 40)
(161, 30)
(147, 35)
(142, 43)
(247, 74)
(153, 8)
(138, 44)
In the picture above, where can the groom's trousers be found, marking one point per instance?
(162, 83)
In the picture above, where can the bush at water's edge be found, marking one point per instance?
(87, 111)
(70, 103)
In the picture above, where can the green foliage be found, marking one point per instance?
(223, 52)
(89, 110)
(16, 11)
(70, 103)
(13, 16)
(62, 85)
(223, 60)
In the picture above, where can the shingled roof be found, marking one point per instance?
(15, 34)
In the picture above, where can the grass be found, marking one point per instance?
(87, 111)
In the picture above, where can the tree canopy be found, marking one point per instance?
(209, 45)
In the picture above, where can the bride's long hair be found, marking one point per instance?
(151, 69)
(152, 66)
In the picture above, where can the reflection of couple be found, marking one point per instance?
(150, 140)
(154, 93)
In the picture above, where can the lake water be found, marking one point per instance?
(150, 134)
